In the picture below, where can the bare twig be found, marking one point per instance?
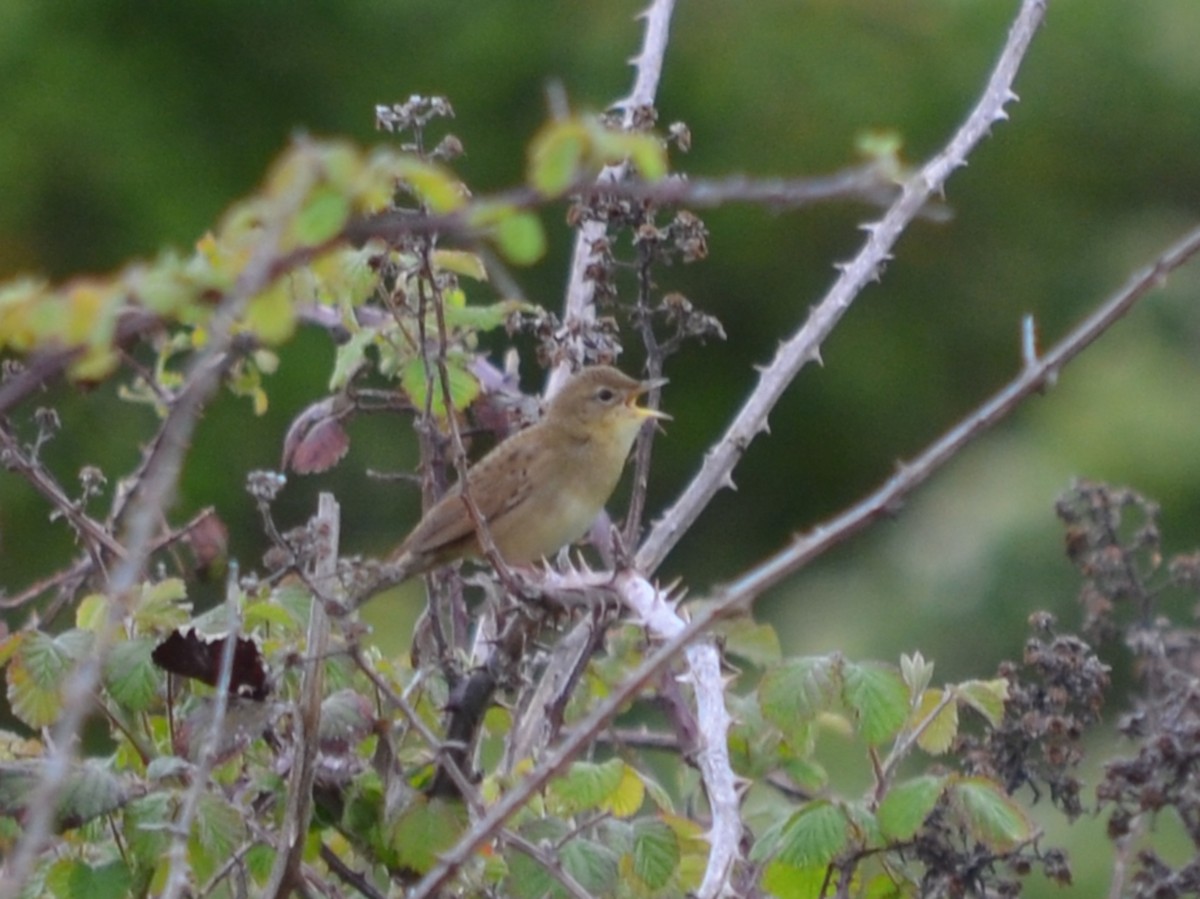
(872, 183)
(539, 715)
(548, 862)
(906, 741)
(804, 346)
(83, 566)
(178, 871)
(348, 874)
(290, 844)
(48, 366)
(94, 534)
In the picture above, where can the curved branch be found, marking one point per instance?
(1037, 375)
(804, 346)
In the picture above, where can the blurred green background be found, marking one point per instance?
(129, 126)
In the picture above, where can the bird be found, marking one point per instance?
(540, 489)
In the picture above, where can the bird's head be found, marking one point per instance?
(601, 402)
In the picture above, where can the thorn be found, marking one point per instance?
(1011, 96)
(817, 357)
(1028, 341)
(765, 428)
(727, 481)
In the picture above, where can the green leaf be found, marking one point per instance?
(424, 830)
(71, 879)
(753, 641)
(937, 735)
(557, 156)
(92, 612)
(346, 718)
(990, 814)
(784, 881)
(588, 786)
(592, 865)
(296, 599)
(324, 213)
(217, 831)
(17, 781)
(89, 791)
(434, 185)
(808, 774)
(130, 675)
(754, 745)
(463, 386)
(460, 262)
(792, 694)
(520, 238)
(162, 606)
(645, 151)
(267, 614)
(626, 800)
(527, 879)
(657, 793)
(350, 357)
(271, 315)
(168, 767)
(656, 853)
(814, 835)
(485, 318)
(986, 697)
(879, 699)
(907, 805)
(37, 671)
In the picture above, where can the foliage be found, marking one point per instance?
(266, 746)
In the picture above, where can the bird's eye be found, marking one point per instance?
(606, 394)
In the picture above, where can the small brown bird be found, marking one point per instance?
(543, 487)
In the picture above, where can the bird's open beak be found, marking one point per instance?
(643, 388)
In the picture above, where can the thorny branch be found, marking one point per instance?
(804, 346)
(739, 594)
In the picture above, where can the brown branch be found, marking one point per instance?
(82, 567)
(87, 528)
(178, 869)
(289, 848)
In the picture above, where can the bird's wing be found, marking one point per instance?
(447, 526)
